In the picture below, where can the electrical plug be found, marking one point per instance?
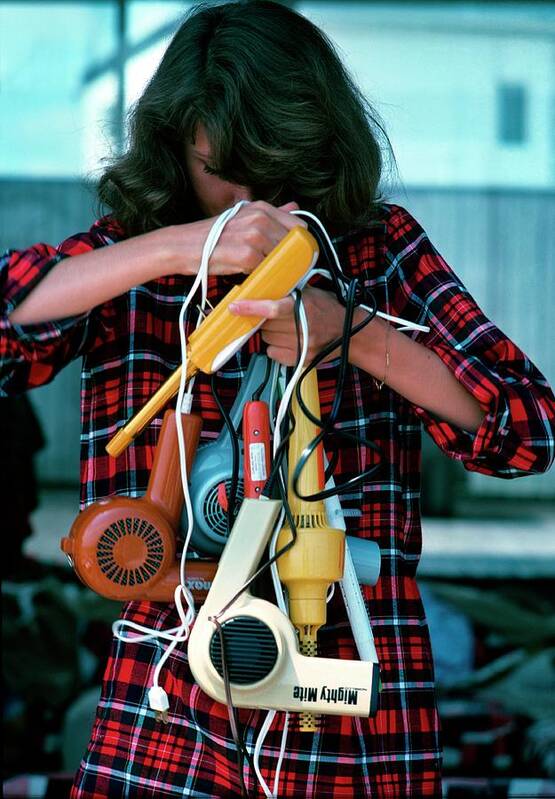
(158, 701)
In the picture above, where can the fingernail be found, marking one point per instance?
(233, 307)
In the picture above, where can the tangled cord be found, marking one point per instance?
(329, 426)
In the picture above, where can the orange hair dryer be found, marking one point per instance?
(124, 548)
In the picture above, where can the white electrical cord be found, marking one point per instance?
(278, 588)
(158, 699)
(406, 324)
(270, 716)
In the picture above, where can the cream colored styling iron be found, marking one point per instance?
(222, 333)
(265, 667)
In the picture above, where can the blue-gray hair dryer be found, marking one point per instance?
(212, 470)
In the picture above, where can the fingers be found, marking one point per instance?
(280, 220)
(251, 235)
(278, 330)
(292, 206)
(274, 223)
(279, 339)
(284, 356)
(267, 309)
(281, 309)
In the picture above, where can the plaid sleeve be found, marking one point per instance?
(517, 434)
(31, 355)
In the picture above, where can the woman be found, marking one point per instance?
(250, 102)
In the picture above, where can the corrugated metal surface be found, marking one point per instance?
(49, 211)
(43, 210)
(502, 245)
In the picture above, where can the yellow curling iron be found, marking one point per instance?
(222, 333)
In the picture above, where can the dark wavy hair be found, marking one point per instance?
(281, 113)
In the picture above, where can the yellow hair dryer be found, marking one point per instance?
(222, 333)
(316, 559)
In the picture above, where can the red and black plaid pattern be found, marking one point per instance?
(129, 346)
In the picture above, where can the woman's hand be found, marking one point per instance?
(246, 239)
(325, 317)
(415, 372)
(84, 281)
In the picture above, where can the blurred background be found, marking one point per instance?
(467, 94)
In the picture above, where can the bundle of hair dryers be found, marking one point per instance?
(127, 548)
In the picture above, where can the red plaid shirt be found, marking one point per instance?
(129, 346)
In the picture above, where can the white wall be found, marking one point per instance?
(433, 75)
